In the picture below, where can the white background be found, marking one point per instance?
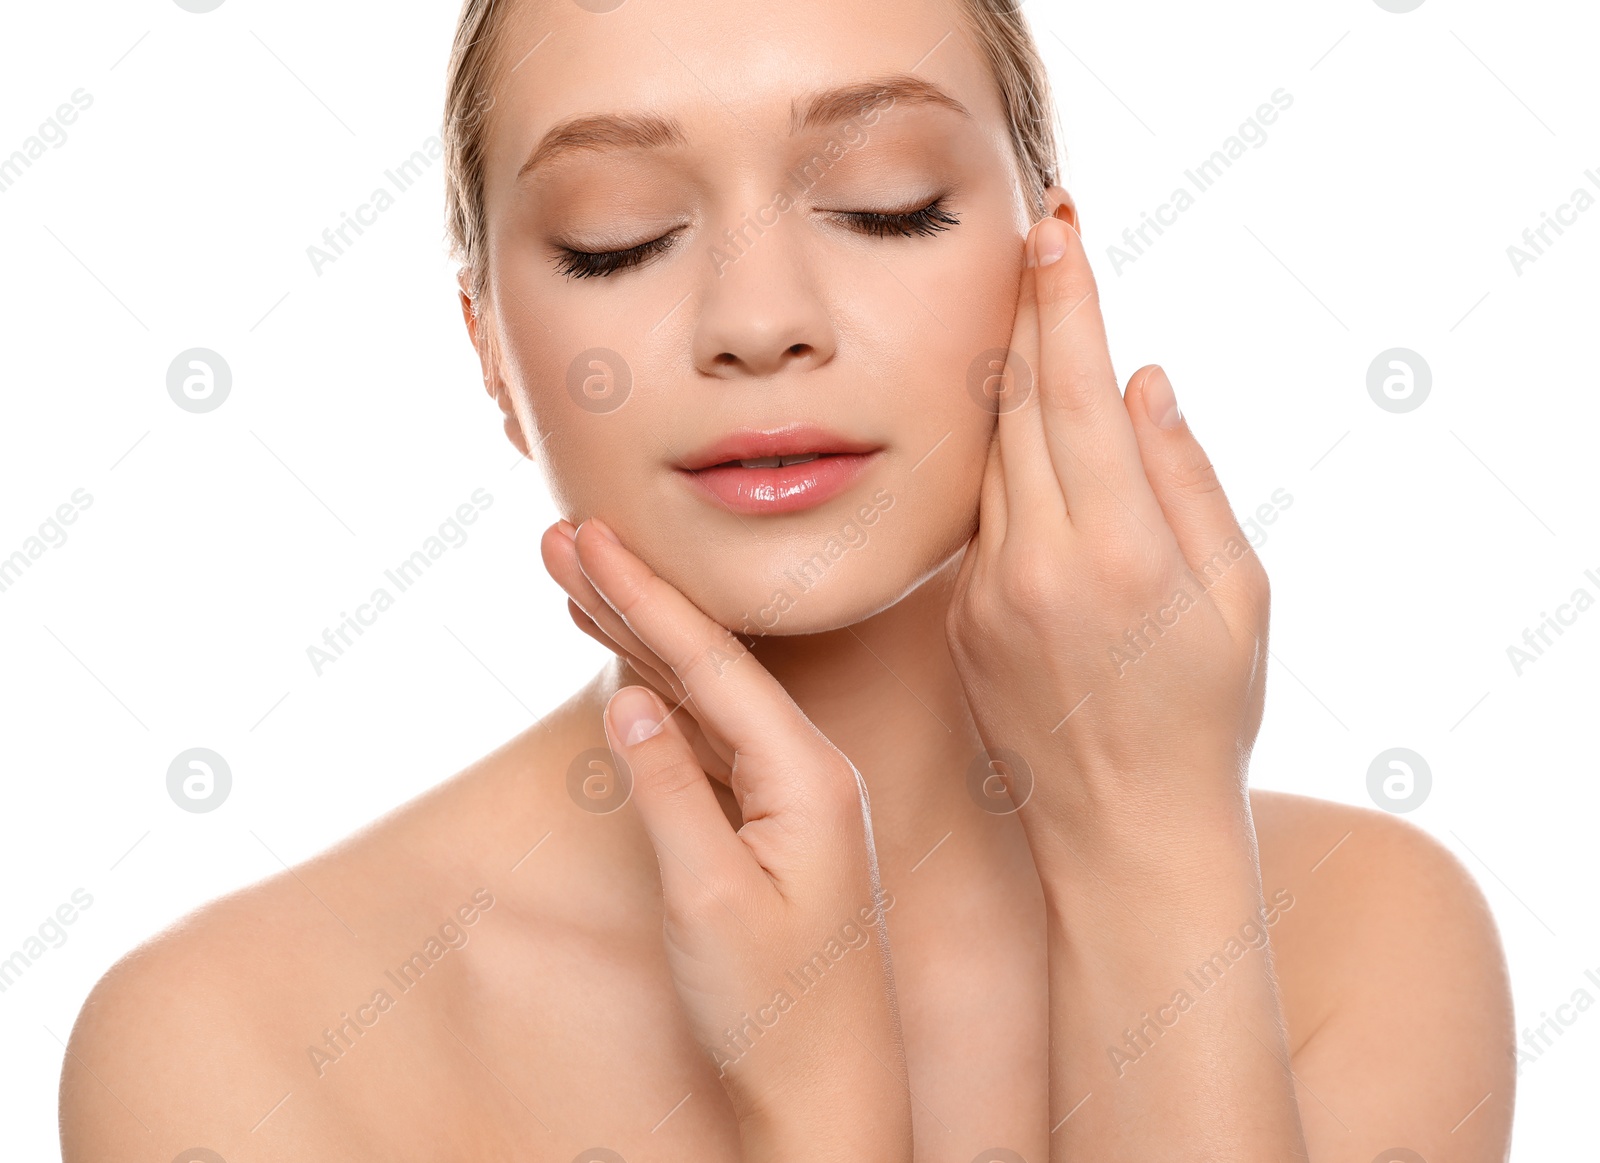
(218, 147)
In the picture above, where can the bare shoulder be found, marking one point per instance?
(1393, 980)
(235, 1027)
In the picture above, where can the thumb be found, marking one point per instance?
(694, 843)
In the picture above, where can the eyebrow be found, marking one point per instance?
(606, 131)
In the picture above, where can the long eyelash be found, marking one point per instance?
(931, 219)
(584, 264)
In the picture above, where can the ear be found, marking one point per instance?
(1058, 202)
(493, 382)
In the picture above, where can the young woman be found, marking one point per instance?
(912, 820)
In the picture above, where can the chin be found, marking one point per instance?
(811, 585)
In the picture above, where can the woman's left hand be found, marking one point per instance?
(1109, 624)
(1109, 621)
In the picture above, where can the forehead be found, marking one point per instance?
(725, 70)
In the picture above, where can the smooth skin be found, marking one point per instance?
(988, 964)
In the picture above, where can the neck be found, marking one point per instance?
(885, 691)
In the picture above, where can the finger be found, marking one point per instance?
(698, 850)
(732, 692)
(561, 561)
(991, 502)
(1031, 487)
(1186, 486)
(663, 683)
(710, 749)
(1092, 445)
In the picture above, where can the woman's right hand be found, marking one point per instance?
(594, 617)
(774, 934)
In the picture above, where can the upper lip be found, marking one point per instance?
(752, 443)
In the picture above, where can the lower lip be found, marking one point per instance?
(789, 489)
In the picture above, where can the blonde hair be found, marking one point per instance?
(476, 65)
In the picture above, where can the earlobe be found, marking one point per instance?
(492, 383)
(515, 434)
(1059, 203)
(469, 312)
(496, 387)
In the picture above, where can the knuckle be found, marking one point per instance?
(1075, 394)
(962, 629)
(972, 613)
(1219, 564)
(705, 901)
(1257, 585)
(844, 793)
(628, 599)
(660, 765)
(724, 650)
(1066, 288)
(832, 793)
(1126, 558)
(1031, 580)
(1196, 475)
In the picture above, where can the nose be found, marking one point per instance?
(762, 309)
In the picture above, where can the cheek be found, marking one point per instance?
(577, 403)
(975, 296)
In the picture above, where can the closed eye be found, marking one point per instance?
(924, 222)
(930, 219)
(586, 264)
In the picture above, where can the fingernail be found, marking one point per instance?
(1160, 401)
(632, 712)
(568, 528)
(1048, 242)
(601, 527)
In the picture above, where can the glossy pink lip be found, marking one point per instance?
(785, 489)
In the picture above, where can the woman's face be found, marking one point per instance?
(706, 243)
